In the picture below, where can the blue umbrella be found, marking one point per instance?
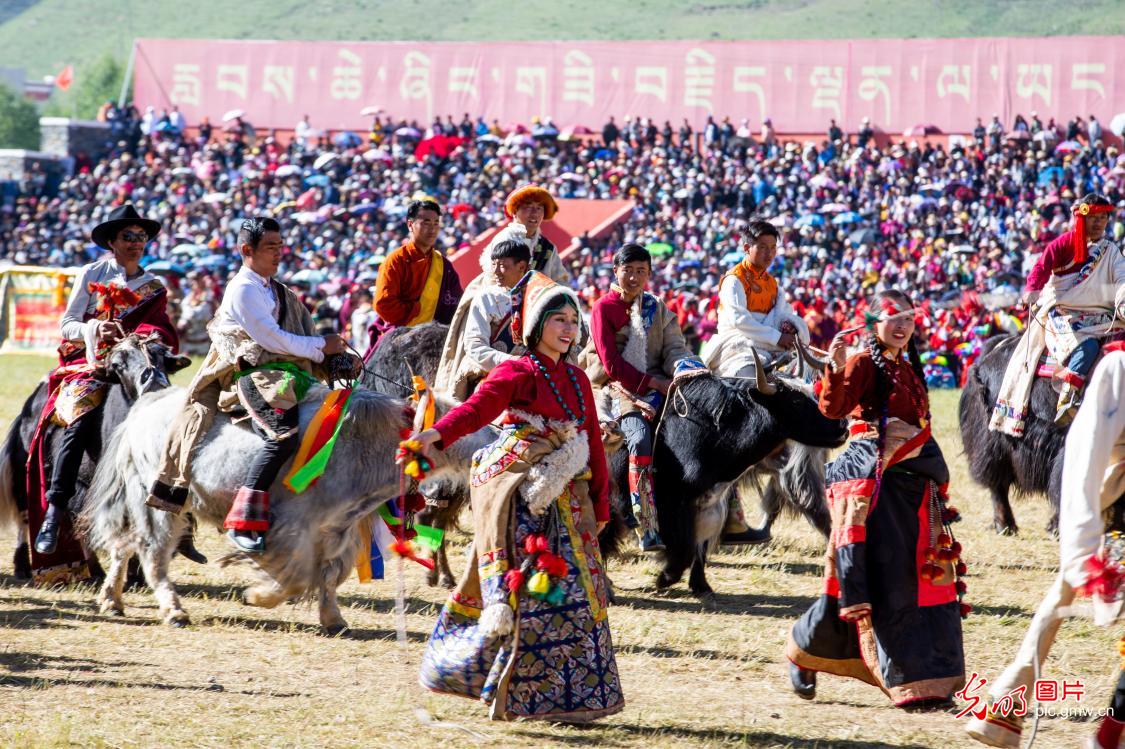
(1051, 172)
(809, 219)
(731, 257)
(605, 153)
(213, 261)
(166, 266)
(317, 180)
(362, 208)
(347, 139)
(847, 217)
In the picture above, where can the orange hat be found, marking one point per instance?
(528, 193)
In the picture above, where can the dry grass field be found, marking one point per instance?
(245, 677)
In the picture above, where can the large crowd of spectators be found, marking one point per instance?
(860, 212)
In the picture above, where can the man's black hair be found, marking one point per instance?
(511, 248)
(417, 206)
(759, 228)
(631, 253)
(253, 229)
(1094, 198)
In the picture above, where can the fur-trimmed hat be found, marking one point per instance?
(531, 297)
(119, 218)
(526, 193)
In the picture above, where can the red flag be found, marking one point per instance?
(65, 78)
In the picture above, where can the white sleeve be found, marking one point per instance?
(247, 309)
(1090, 442)
(733, 314)
(785, 312)
(477, 337)
(72, 326)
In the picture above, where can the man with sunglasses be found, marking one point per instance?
(265, 356)
(111, 298)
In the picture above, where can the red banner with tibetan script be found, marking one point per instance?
(898, 83)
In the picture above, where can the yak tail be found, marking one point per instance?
(104, 518)
(10, 515)
(793, 482)
(802, 481)
(13, 469)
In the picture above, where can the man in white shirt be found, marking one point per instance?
(480, 336)
(263, 357)
(753, 312)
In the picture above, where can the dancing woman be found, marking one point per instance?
(889, 614)
(525, 630)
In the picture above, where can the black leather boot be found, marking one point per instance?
(804, 682)
(48, 537)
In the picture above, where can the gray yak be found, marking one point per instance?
(313, 537)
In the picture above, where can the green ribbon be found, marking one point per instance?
(295, 376)
(318, 462)
(428, 536)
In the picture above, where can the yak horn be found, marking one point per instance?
(811, 359)
(764, 386)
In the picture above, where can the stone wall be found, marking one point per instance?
(62, 136)
(14, 162)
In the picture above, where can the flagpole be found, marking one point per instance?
(128, 75)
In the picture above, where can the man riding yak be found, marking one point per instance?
(111, 298)
(264, 358)
(480, 335)
(755, 320)
(1078, 289)
(635, 344)
(416, 282)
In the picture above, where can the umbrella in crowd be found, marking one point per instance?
(309, 276)
(918, 131)
(1054, 173)
(569, 132)
(378, 154)
(659, 249)
(362, 208)
(1068, 146)
(190, 249)
(408, 133)
(863, 236)
(488, 138)
(809, 219)
(347, 139)
(287, 170)
(850, 217)
(1117, 125)
(317, 180)
(165, 266)
(439, 145)
(233, 114)
(324, 160)
(371, 110)
(213, 261)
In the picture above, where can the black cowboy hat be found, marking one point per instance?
(119, 218)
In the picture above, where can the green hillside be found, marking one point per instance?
(44, 35)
